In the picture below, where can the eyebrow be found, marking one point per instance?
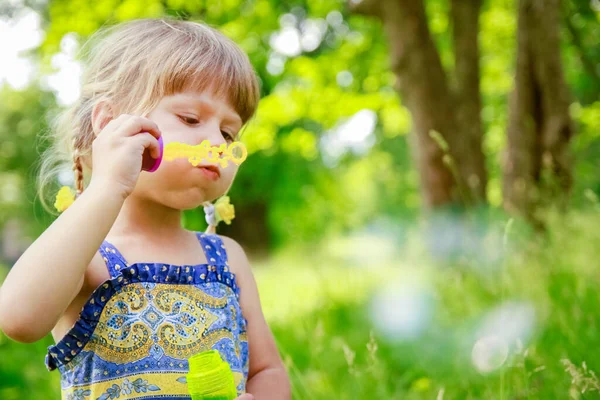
(233, 117)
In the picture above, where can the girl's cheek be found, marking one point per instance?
(230, 171)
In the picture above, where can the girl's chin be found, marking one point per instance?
(184, 205)
(186, 198)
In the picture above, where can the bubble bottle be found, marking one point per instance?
(210, 378)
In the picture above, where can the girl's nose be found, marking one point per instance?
(212, 132)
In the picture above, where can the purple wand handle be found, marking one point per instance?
(151, 164)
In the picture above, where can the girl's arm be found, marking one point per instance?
(49, 274)
(267, 377)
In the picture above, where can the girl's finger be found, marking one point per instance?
(149, 142)
(135, 125)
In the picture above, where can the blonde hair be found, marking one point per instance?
(133, 65)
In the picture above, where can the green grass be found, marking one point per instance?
(319, 303)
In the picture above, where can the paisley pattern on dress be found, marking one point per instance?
(137, 330)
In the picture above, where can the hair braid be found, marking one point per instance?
(77, 167)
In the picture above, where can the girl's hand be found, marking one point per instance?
(245, 396)
(118, 149)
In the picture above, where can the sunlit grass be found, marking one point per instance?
(359, 318)
(541, 294)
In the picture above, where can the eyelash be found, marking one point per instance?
(229, 135)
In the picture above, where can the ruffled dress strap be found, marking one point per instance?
(113, 258)
(213, 247)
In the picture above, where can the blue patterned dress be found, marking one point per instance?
(137, 330)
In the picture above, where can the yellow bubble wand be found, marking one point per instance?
(222, 154)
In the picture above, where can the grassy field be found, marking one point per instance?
(498, 314)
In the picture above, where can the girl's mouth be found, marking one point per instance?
(210, 171)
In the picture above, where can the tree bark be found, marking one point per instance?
(465, 29)
(459, 176)
(540, 127)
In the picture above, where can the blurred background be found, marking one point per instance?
(420, 200)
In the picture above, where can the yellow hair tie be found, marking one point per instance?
(64, 198)
(224, 210)
(221, 210)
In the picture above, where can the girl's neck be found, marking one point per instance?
(143, 218)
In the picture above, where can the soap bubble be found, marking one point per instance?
(402, 311)
(489, 353)
(500, 330)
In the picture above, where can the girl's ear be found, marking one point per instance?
(101, 115)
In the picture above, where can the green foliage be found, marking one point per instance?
(22, 371)
(286, 174)
(581, 34)
(336, 353)
(20, 122)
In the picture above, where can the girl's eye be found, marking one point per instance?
(193, 121)
(227, 136)
(188, 119)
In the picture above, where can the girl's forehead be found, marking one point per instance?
(199, 96)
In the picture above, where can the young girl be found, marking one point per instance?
(128, 294)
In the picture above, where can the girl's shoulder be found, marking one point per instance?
(238, 260)
(235, 252)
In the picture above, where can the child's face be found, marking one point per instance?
(190, 118)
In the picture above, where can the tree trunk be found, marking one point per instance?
(540, 127)
(458, 177)
(465, 22)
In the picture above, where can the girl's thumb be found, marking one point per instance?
(246, 396)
